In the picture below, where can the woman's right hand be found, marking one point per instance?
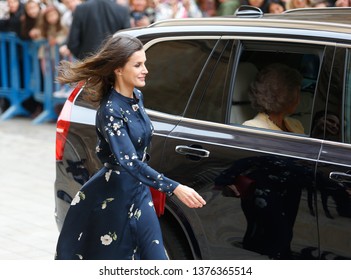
(189, 196)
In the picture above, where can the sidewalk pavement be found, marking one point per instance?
(27, 174)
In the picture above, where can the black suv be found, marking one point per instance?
(295, 200)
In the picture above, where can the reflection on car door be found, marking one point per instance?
(333, 199)
(275, 181)
(273, 172)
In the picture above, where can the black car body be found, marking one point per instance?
(196, 97)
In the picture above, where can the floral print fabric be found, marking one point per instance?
(112, 216)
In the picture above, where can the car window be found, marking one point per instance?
(210, 98)
(336, 121)
(179, 63)
(327, 122)
(347, 105)
(254, 56)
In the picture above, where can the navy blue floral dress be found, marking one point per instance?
(112, 216)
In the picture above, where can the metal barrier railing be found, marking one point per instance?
(14, 74)
(24, 74)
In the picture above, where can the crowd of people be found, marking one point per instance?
(53, 19)
(80, 26)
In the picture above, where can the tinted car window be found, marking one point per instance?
(347, 105)
(326, 124)
(163, 63)
(256, 55)
(210, 97)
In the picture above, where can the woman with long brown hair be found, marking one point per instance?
(112, 216)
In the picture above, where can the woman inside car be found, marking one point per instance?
(275, 94)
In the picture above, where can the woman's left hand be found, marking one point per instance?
(189, 196)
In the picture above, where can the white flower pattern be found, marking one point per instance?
(78, 197)
(107, 239)
(104, 203)
(108, 174)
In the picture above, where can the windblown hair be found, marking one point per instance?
(97, 70)
(272, 91)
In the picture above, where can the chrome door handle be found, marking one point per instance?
(190, 151)
(340, 177)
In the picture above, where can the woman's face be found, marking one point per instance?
(13, 5)
(299, 3)
(332, 124)
(275, 8)
(256, 3)
(32, 9)
(139, 5)
(52, 17)
(342, 3)
(134, 72)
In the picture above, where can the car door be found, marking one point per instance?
(333, 200)
(172, 76)
(274, 172)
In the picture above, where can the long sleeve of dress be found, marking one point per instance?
(128, 133)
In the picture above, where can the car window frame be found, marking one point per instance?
(273, 40)
(189, 37)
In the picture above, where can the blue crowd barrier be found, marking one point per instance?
(43, 79)
(13, 75)
(24, 74)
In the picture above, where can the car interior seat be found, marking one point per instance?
(241, 109)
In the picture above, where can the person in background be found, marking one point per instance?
(113, 216)
(342, 3)
(30, 20)
(51, 28)
(298, 4)
(169, 9)
(57, 3)
(276, 7)
(30, 30)
(141, 14)
(320, 4)
(93, 21)
(275, 94)
(12, 21)
(67, 15)
(227, 7)
(66, 21)
(262, 4)
(3, 9)
(208, 7)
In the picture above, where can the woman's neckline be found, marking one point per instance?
(133, 99)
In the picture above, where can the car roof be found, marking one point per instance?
(326, 15)
(324, 19)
